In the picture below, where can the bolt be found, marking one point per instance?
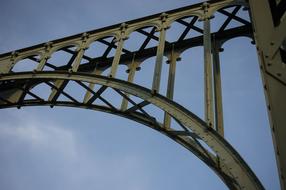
(179, 59)
(85, 35)
(123, 26)
(163, 16)
(206, 5)
(153, 92)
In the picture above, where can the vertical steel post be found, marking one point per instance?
(42, 63)
(171, 84)
(131, 75)
(91, 86)
(80, 53)
(159, 56)
(45, 57)
(217, 90)
(77, 60)
(209, 113)
(116, 58)
(118, 52)
(12, 61)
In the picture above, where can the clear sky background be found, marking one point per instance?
(68, 148)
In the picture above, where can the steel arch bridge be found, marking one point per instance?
(88, 73)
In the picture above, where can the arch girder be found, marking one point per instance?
(231, 167)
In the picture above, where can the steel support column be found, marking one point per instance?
(159, 56)
(116, 58)
(131, 74)
(208, 77)
(217, 88)
(80, 53)
(87, 95)
(173, 58)
(44, 57)
(269, 40)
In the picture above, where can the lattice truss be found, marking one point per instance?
(97, 70)
(97, 58)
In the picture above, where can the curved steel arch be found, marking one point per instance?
(231, 168)
(219, 155)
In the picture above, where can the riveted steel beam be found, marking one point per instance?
(217, 88)
(208, 75)
(270, 37)
(173, 58)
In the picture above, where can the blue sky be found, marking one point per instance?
(68, 148)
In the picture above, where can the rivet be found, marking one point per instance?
(179, 59)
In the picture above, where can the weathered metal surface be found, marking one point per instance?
(16, 88)
(270, 34)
